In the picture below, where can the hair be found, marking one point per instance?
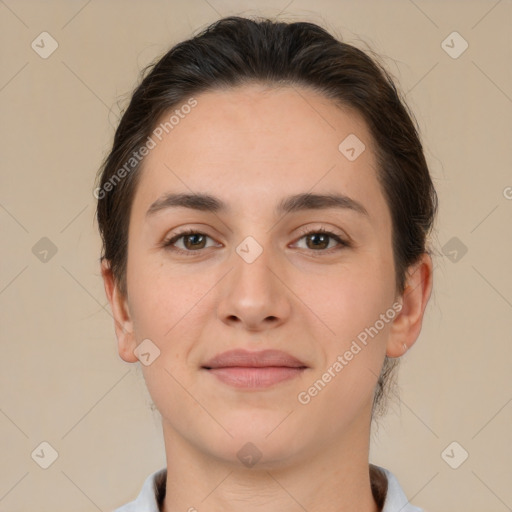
(235, 51)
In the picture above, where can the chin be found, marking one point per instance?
(263, 436)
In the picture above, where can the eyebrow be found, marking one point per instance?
(290, 204)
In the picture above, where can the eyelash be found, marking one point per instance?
(168, 244)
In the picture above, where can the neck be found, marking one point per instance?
(335, 478)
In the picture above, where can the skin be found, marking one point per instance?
(250, 147)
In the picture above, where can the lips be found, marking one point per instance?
(247, 359)
(254, 370)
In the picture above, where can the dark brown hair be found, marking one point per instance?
(234, 51)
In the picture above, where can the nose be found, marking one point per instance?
(253, 295)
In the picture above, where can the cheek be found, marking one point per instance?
(158, 305)
(164, 306)
(154, 303)
(167, 302)
(350, 303)
(352, 298)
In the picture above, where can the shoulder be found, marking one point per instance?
(150, 496)
(387, 491)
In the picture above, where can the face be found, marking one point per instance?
(261, 271)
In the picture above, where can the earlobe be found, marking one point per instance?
(406, 326)
(122, 319)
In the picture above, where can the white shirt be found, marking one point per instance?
(153, 492)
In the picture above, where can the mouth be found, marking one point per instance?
(253, 370)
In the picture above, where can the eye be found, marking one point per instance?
(319, 240)
(193, 241)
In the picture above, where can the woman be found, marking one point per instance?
(264, 213)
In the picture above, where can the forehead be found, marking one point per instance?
(252, 144)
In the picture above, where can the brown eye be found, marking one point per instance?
(191, 241)
(195, 241)
(319, 240)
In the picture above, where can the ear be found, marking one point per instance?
(126, 342)
(406, 326)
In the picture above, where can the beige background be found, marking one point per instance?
(61, 378)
